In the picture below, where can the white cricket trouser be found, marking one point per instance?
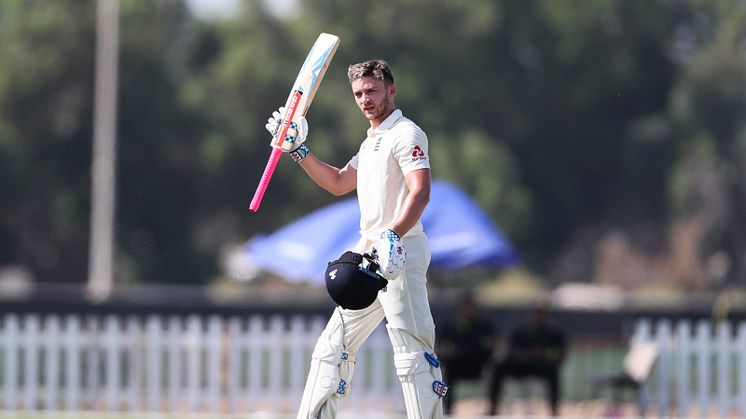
(404, 305)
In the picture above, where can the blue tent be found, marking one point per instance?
(460, 236)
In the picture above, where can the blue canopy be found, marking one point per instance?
(460, 236)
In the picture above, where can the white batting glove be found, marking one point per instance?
(391, 254)
(295, 137)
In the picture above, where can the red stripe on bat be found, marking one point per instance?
(288, 117)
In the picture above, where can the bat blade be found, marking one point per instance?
(301, 95)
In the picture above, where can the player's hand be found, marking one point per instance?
(297, 132)
(391, 254)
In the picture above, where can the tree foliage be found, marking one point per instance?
(569, 121)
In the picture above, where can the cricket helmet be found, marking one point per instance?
(352, 280)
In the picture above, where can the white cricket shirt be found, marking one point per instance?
(397, 147)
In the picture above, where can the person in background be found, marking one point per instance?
(535, 349)
(466, 344)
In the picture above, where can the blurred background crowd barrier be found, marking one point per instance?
(700, 368)
(175, 364)
(241, 363)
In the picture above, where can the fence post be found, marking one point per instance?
(663, 340)
(643, 333)
(71, 338)
(214, 331)
(133, 347)
(154, 369)
(113, 347)
(31, 361)
(193, 371)
(234, 365)
(703, 336)
(723, 352)
(277, 369)
(683, 367)
(741, 374)
(10, 367)
(51, 372)
(174, 363)
(254, 350)
(93, 389)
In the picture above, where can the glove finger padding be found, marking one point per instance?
(391, 255)
(296, 133)
(273, 122)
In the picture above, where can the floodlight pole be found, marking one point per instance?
(103, 168)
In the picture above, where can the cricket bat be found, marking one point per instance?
(297, 104)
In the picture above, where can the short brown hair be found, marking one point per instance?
(377, 69)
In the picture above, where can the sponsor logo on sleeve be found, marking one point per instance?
(418, 154)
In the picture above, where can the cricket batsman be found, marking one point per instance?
(391, 173)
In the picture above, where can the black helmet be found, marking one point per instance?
(352, 283)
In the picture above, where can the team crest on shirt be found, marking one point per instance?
(418, 154)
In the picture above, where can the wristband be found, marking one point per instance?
(391, 235)
(300, 153)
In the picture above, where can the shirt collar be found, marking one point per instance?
(386, 124)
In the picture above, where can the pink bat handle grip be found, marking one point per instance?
(264, 181)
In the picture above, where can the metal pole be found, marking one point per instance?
(103, 170)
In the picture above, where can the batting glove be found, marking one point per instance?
(295, 137)
(391, 254)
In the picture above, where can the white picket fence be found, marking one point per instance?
(176, 364)
(700, 370)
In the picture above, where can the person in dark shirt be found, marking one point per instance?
(535, 349)
(466, 344)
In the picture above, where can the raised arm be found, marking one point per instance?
(335, 181)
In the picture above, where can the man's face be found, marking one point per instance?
(374, 98)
